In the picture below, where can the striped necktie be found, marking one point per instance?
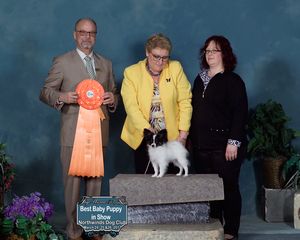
(89, 67)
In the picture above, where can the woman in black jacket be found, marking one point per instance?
(220, 110)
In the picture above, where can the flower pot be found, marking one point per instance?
(16, 237)
(272, 172)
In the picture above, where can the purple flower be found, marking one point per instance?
(29, 207)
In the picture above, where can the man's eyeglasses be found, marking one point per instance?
(157, 58)
(86, 34)
(214, 51)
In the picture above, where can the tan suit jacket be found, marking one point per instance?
(66, 72)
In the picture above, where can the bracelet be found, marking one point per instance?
(234, 142)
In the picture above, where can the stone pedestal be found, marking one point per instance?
(169, 213)
(171, 207)
(279, 204)
(297, 210)
(207, 231)
(142, 189)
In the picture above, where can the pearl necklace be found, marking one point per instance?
(151, 72)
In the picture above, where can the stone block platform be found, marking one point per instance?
(169, 213)
(141, 189)
(207, 231)
(171, 207)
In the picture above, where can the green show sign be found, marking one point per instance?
(102, 214)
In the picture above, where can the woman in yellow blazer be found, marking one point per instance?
(156, 95)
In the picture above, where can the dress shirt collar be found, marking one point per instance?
(83, 55)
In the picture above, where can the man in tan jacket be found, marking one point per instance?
(67, 71)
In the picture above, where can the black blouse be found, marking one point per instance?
(219, 112)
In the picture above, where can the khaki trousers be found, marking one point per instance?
(92, 187)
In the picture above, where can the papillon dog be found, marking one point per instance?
(161, 153)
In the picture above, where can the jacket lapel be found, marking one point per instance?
(99, 69)
(80, 67)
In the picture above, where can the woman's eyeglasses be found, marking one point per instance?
(213, 51)
(157, 58)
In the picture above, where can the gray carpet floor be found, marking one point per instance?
(254, 228)
(269, 236)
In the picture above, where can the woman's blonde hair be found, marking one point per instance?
(158, 40)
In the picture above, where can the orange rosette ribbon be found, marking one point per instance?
(87, 154)
(89, 94)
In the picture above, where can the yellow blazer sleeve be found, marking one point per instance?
(129, 91)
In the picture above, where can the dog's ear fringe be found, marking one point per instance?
(147, 134)
(164, 131)
(162, 135)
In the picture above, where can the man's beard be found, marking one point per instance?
(87, 45)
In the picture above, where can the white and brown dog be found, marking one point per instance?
(161, 153)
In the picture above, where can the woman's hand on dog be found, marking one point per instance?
(182, 140)
(182, 137)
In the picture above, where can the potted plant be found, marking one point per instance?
(7, 173)
(26, 218)
(270, 139)
(291, 172)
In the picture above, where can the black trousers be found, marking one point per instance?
(141, 160)
(227, 211)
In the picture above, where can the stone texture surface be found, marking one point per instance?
(279, 204)
(169, 213)
(142, 189)
(297, 210)
(207, 231)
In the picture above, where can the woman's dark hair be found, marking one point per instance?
(222, 43)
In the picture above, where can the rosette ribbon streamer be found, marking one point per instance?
(87, 154)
